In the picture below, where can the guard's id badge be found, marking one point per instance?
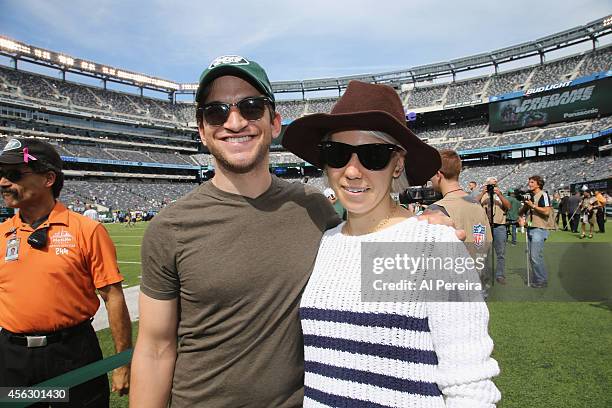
(12, 249)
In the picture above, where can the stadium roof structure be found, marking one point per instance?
(588, 32)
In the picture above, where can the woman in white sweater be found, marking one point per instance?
(358, 353)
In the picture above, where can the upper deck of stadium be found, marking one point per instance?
(423, 88)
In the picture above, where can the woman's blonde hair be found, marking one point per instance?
(398, 184)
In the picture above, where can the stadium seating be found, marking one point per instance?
(510, 81)
(557, 71)
(477, 143)
(601, 124)
(465, 91)
(203, 159)
(280, 158)
(22, 84)
(143, 196)
(320, 183)
(183, 112)
(320, 105)
(468, 130)
(564, 130)
(598, 61)
(432, 132)
(426, 96)
(85, 151)
(291, 109)
(164, 157)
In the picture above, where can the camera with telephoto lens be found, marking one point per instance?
(490, 188)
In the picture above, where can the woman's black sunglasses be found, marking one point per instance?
(216, 113)
(13, 175)
(375, 156)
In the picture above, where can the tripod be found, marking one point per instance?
(528, 252)
(492, 226)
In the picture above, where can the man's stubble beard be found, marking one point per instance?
(222, 161)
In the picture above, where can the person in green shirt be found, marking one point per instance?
(512, 214)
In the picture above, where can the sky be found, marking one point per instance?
(293, 40)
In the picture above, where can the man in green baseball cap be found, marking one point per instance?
(223, 268)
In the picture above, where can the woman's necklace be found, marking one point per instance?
(379, 226)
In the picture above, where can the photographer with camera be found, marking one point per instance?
(588, 209)
(490, 193)
(540, 220)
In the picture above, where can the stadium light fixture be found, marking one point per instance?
(88, 66)
(65, 60)
(10, 45)
(42, 54)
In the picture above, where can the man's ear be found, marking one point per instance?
(276, 125)
(50, 178)
(201, 132)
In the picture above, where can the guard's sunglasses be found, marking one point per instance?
(375, 156)
(253, 108)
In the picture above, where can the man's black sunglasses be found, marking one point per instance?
(13, 175)
(375, 156)
(216, 113)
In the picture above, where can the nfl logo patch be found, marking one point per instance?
(479, 234)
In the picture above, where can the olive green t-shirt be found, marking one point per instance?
(237, 267)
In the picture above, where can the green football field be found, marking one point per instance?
(553, 351)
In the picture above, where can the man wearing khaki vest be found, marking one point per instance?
(540, 220)
(498, 223)
(461, 207)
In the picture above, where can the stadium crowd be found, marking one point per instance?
(22, 84)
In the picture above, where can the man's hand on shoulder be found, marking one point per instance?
(437, 217)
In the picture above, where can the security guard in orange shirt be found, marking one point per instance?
(53, 261)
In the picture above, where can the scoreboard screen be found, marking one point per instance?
(561, 102)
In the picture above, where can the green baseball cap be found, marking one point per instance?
(236, 65)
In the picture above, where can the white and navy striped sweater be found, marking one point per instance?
(386, 354)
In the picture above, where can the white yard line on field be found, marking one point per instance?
(131, 299)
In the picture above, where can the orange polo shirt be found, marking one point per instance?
(50, 289)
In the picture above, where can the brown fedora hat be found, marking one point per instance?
(364, 106)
